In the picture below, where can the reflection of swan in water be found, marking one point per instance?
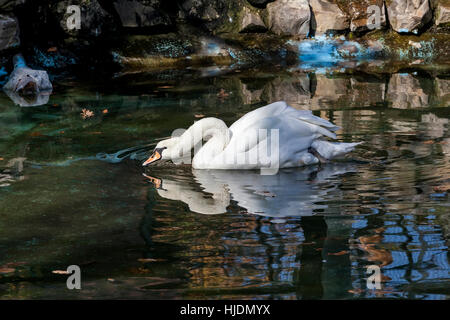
(292, 192)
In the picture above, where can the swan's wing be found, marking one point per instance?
(271, 110)
(280, 109)
(307, 116)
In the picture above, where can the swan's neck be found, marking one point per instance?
(215, 131)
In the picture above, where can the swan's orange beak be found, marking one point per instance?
(154, 157)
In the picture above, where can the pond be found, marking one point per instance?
(68, 196)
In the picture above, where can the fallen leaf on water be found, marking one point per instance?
(85, 113)
(7, 270)
(340, 253)
(105, 111)
(428, 142)
(52, 49)
(199, 115)
(60, 272)
(356, 291)
(111, 279)
(1, 159)
(165, 87)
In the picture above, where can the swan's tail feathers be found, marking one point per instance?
(330, 150)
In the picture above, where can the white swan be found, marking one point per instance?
(274, 136)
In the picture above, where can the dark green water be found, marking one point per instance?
(307, 233)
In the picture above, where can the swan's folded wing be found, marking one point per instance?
(307, 116)
(271, 110)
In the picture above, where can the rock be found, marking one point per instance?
(408, 15)
(442, 12)
(251, 21)
(322, 11)
(94, 20)
(26, 81)
(363, 18)
(289, 17)
(348, 49)
(7, 5)
(9, 32)
(138, 14)
(217, 16)
(259, 3)
(204, 10)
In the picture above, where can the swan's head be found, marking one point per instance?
(162, 151)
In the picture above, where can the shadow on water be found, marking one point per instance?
(306, 233)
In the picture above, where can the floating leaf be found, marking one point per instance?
(340, 253)
(199, 115)
(7, 270)
(85, 114)
(60, 272)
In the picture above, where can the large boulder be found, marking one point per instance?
(138, 14)
(363, 18)
(289, 17)
(9, 32)
(94, 22)
(251, 21)
(408, 15)
(215, 15)
(328, 17)
(259, 3)
(442, 12)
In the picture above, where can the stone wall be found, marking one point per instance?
(30, 23)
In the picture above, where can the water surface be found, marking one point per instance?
(306, 233)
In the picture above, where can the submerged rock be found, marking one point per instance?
(9, 32)
(289, 17)
(408, 15)
(328, 17)
(27, 87)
